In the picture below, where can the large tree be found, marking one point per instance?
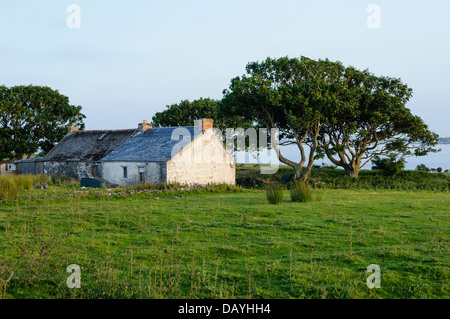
(295, 96)
(340, 112)
(372, 121)
(185, 112)
(34, 118)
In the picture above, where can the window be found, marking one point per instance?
(141, 172)
(124, 172)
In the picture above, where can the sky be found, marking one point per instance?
(129, 59)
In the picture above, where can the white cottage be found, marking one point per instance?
(186, 155)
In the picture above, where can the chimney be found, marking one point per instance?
(73, 129)
(144, 126)
(204, 124)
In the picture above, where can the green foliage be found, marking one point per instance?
(249, 176)
(24, 182)
(11, 185)
(390, 165)
(292, 95)
(8, 188)
(423, 167)
(33, 118)
(341, 112)
(274, 193)
(61, 180)
(210, 188)
(185, 112)
(300, 192)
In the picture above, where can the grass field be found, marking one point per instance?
(232, 244)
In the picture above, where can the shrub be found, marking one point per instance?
(8, 188)
(274, 193)
(390, 165)
(300, 192)
(63, 180)
(422, 167)
(11, 185)
(42, 179)
(24, 182)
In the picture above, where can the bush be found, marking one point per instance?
(389, 165)
(8, 188)
(63, 180)
(42, 179)
(422, 167)
(24, 181)
(274, 193)
(300, 192)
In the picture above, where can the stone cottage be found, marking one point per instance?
(186, 155)
(79, 153)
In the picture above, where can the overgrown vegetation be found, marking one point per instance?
(300, 192)
(337, 179)
(11, 185)
(274, 193)
(389, 165)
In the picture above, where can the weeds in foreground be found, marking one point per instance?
(274, 193)
(300, 192)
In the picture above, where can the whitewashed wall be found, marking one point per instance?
(153, 172)
(203, 161)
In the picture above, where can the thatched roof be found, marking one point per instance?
(88, 145)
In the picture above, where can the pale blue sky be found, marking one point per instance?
(130, 59)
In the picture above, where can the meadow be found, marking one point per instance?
(224, 242)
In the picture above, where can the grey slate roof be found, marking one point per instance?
(88, 145)
(153, 145)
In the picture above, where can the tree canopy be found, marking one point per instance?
(34, 118)
(185, 112)
(373, 120)
(340, 112)
(295, 96)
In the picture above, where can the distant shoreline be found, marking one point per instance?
(444, 140)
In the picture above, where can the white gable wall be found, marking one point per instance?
(203, 161)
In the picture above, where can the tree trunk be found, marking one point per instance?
(352, 170)
(298, 171)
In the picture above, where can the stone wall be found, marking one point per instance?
(73, 169)
(152, 172)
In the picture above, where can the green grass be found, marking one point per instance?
(167, 244)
